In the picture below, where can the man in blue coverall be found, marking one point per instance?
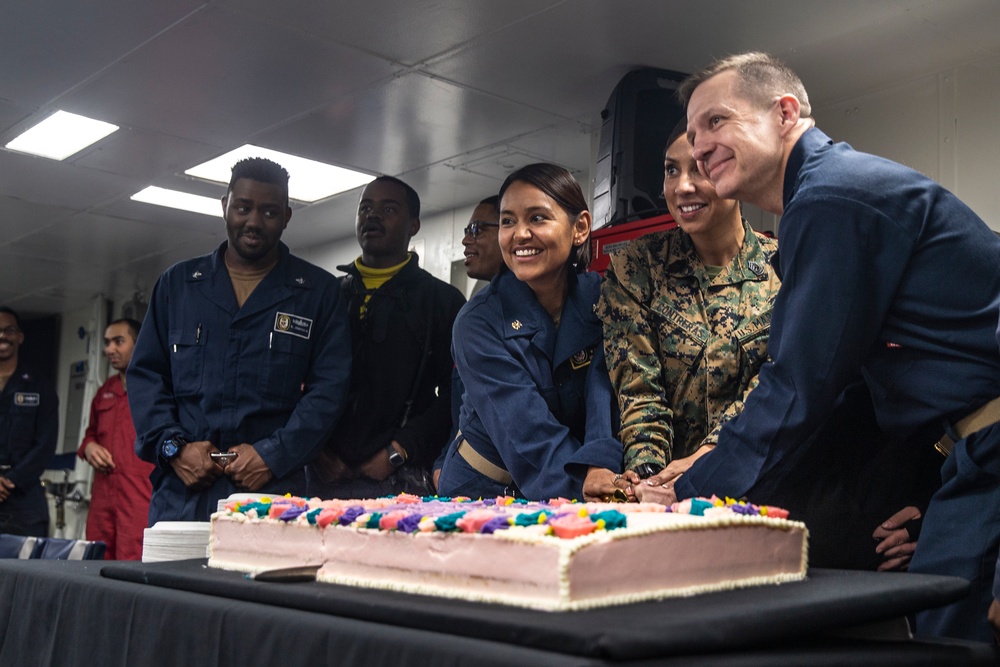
(29, 427)
(242, 365)
(884, 274)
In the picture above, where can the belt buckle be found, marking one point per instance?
(944, 446)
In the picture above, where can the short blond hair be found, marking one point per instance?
(762, 77)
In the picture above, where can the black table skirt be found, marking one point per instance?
(67, 613)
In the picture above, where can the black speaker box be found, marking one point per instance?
(639, 115)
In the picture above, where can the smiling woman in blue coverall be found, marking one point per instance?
(538, 416)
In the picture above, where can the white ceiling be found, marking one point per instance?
(447, 94)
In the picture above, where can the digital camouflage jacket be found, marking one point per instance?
(683, 348)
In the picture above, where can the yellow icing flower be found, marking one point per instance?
(763, 510)
(508, 501)
(541, 518)
(601, 523)
(265, 499)
(582, 512)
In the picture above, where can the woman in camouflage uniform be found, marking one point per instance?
(686, 316)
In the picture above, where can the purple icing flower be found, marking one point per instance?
(409, 523)
(292, 513)
(495, 524)
(352, 513)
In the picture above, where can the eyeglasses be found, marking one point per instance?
(10, 332)
(475, 228)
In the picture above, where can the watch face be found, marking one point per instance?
(171, 448)
(395, 458)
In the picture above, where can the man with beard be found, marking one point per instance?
(399, 412)
(119, 497)
(29, 426)
(241, 368)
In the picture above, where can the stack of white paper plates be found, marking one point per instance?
(175, 540)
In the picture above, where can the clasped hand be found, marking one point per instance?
(198, 470)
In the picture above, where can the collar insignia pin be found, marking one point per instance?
(516, 324)
(300, 280)
(196, 274)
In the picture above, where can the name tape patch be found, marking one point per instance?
(27, 398)
(293, 324)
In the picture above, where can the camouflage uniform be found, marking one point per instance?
(683, 348)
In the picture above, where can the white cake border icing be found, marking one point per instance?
(567, 548)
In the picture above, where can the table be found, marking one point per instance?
(92, 612)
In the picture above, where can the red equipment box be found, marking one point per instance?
(606, 240)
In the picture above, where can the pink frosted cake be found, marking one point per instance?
(557, 555)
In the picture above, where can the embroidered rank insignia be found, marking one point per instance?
(581, 359)
(516, 325)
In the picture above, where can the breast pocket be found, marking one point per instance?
(22, 420)
(285, 365)
(682, 343)
(187, 360)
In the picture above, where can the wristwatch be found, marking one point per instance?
(645, 470)
(395, 458)
(172, 447)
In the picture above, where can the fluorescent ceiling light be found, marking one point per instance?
(181, 200)
(60, 135)
(308, 181)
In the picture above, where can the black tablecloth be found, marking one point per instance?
(65, 613)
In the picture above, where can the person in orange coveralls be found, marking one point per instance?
(119, 505)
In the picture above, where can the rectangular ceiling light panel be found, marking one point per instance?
(60, 135)
(181, 200)
(309, 180)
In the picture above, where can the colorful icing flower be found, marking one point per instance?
(495, 524)
(699, 505)
(474, 520)
(278, 508)
(611, 519)
(351, 514)
(532, 518)
(390, 521)
(448, 522)
(291, 513)
(409, 524)
(328, 515)
(568, 526)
